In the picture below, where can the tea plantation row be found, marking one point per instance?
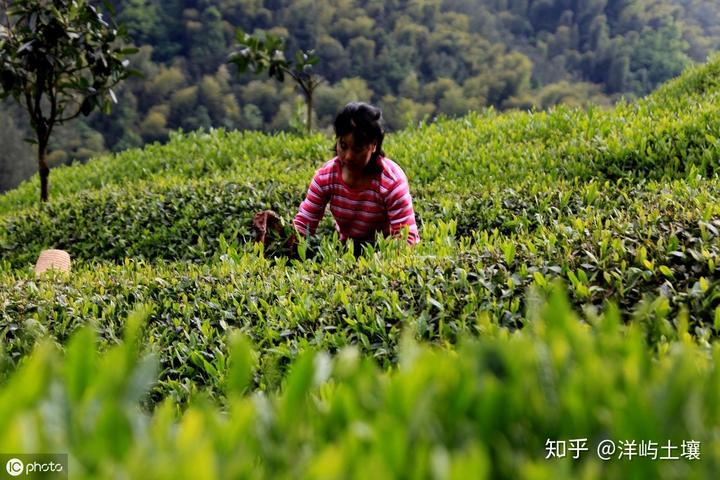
(439, 290)
(671, 133)
(438, 361)
(484, 410)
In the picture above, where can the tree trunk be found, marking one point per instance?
(44, 171)
(309, 113)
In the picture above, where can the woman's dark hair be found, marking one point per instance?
(365, 122)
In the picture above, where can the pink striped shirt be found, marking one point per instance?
(384, 206)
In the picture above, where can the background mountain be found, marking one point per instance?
(416, 59)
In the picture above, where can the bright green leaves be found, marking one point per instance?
(81, 367)
(522, 201)
(483, 409)
(242, 364)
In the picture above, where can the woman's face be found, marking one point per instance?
(352, 157)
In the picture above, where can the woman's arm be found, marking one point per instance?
(312, 209)
(400, 210)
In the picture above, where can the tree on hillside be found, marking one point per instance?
(260, 53)
(58, 60)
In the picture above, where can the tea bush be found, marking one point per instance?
(483, 410)
(437, 290)
(636, 140)
(434, 361)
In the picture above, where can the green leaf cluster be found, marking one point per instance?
(441, 360)
(483, 410)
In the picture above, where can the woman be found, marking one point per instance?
(368, 193)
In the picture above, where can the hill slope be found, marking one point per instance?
(619, 205)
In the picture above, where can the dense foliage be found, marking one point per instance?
(416, 59)
(436, 361)
(484, 410)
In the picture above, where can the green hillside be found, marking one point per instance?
(438, 361)
(416, 59)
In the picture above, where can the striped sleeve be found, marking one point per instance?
(400, 210)
(312, 209)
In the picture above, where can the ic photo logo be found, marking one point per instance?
(14, 467)
(33, 466)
